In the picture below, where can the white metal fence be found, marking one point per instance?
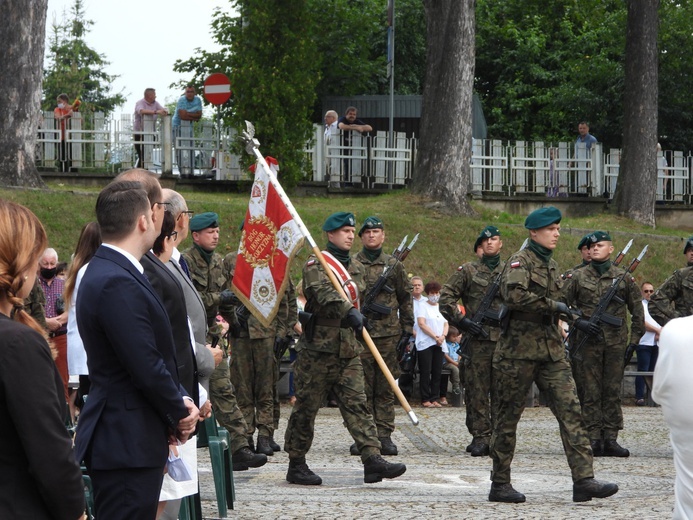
(95, 143)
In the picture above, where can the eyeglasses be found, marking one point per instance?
(648, 291)
(173, 235)
(164, 204)
(187, 212)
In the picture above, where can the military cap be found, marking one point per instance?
(688, 245)
(599, 236)
(204, 220)
(487, 232)
(584, 241)
(543, 217)
(371, 223)
(338, 220)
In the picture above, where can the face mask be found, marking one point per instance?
(61, 105)
(434, 298)
(47, 274)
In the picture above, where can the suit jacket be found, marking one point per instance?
(39, 478)
(135, 399)
(197, 314)
(169, 290)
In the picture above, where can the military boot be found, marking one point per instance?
(377, 468)
(354, 450)
(273, 444)
(479, 449)
(300, 473)
(588, 488)
(614, 449)
(251, 443)
(597, 447)
(387, 447)
(263, 446)
(469, 447)
(505, 493)
(243, 459)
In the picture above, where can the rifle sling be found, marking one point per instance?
(535, 317)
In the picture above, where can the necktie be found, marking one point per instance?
(184, 266)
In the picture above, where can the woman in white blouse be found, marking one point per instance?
(429, 340)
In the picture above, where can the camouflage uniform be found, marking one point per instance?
(674, 298)
(330, 361)
(35, 304)
(579, 384)
(385, 330)
(253, 366)
(209, 281)
(531, 350)
(601, 366)
(470, 284)
(291, 311)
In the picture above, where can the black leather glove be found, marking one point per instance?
(226, 297)
(562, 308)
(470, 326)
(591, 329)
(355, 320)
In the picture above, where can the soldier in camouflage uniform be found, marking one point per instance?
(328, 358)
(206, 273)
(283, 343)
(35, 304)
(584, 248)
(470, 284)
(600, 366)
(530, 350)
(674, 298)
(385, 329)
(253, 366)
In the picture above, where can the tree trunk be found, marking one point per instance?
(22, 36)
(443, 171)
(637, 180)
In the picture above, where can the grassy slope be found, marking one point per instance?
(445, 241)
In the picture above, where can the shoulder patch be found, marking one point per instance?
(632, 279)
(567, 276)
(460, 268)
(515, 264)
(310, 262)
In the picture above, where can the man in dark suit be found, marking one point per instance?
(136, 405)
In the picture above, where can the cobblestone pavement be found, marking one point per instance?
(442, 481)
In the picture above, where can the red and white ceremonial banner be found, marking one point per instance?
(270, 240)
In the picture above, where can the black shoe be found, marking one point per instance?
(614, 449)
(300, 473)
(244, 459)
(377, 468)
(274, 445)
(505, 493)
(263, 446)
(387, 447)
(469, 447)
(479, 449)
(597, 448)
(251, 443)
(588, 488)
(354, 450)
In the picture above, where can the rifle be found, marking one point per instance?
(484, 313)
(599, 315)
(380, 285)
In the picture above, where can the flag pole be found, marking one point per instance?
(252, 147)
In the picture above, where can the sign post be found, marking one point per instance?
(217, 90)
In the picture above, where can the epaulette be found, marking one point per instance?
(515, 264)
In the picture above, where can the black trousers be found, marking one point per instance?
(430, 369)
(126, 494)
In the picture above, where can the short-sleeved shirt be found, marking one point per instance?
(142, 104)
(435, 320)
(190, 106)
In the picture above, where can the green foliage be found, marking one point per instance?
(72, 67)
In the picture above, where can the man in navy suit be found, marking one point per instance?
(136, 405)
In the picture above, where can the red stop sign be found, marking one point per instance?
(217, 88)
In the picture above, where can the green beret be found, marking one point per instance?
(338, 220)
(371, 223)
(599, 236)
(584, 241)
(204, 220)
(543, 217)
(487, 232)
(688, 245)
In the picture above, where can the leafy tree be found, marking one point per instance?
(22, 36)
(443, 170)
(76, 69)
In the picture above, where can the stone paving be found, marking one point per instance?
(442, 481)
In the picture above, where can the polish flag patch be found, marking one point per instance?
(515, 264)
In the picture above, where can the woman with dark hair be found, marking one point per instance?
(89, 241)
(429, 340)
(40, 478)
